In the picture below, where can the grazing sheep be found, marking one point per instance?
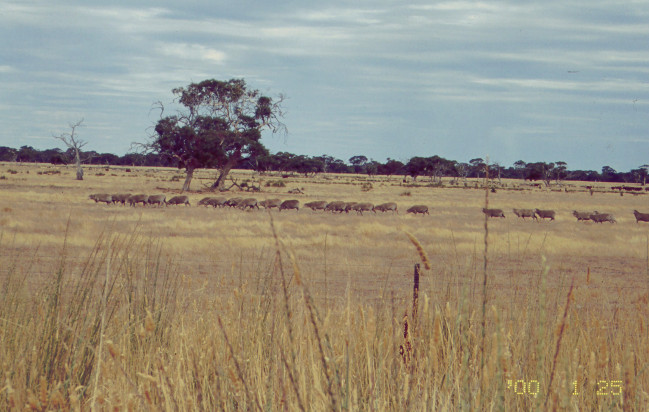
(423, 209)
(157, 200)
(336, 206)
(206, 201)
(545, 214)
(493, 212)
(101, 197)
(121, 198)
(212, 201)
(384, 207)
(363, 207)
(290, 204)
(135, 199)
(641, 217)
(249, 203)
(179, 200)
(602, 217)
(581, 215)
(270, 203)
(317, 205)
(349, 206)
(234, 202)
(217, 202)
(523, 213)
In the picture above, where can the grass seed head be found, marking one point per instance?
(437, 328)
(112, 350)
(43, 391)
(149, 325)
(32, 401)
(296, 269)
(420, 250)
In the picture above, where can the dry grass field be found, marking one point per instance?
(111, 307)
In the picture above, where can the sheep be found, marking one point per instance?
(349, 206)
(317, 205)
(363, 207)
(206, 201)
(121, 198)
(270, 203)
(212, 201)
(493, 212)
(423, 209)
(290, 204)
(218, 202)
(545, 214)
(581, 215)
(336, 206)
(523, 213)
(641, 217)
(233, 202)
(178, 200)
(602, 217)
(384, 207)
(159, 200)
(101, 197)
(250, 203)
(135, 199)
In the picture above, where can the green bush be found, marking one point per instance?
(275, 183)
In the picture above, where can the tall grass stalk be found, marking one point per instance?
(102, 330)
(485, 258)
(556, 351)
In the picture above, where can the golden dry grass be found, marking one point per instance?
(204, 312)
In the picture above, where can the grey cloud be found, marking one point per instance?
(437, 75)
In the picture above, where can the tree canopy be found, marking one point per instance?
(434, 167)
(219, 126)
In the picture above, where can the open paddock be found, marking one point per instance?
(356, 270)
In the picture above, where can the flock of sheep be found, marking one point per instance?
(252, 203)
(337, 206)
(550, 214)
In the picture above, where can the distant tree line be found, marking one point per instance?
(418, 168)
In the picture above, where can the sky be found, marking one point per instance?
(505, 80)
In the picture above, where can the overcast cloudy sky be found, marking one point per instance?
(535, 80)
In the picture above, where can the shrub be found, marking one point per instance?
(275, 183)
(366, 187)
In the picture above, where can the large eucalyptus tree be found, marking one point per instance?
(218, 126)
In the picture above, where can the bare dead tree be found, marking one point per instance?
(72, 141)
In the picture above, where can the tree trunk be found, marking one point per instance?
(188, 179)
(77, 159)
(223, 174)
